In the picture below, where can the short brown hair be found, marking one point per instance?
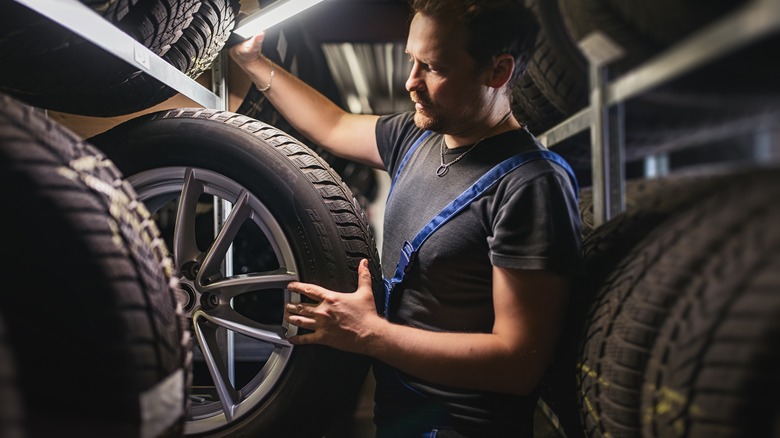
(495, 27)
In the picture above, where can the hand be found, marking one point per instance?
(341, 320)
(247, 52)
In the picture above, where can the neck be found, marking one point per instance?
(496, 124)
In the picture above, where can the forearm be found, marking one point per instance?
(341, 133)
(303, 106)
(481, 361)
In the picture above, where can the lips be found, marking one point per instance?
(418, 103)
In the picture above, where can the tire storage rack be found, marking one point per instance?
(243, 208)
(675, 330)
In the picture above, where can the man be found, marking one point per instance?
(468, 332)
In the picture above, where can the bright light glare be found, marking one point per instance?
(271, 16)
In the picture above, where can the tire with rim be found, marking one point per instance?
(290, 217)
(95, 316)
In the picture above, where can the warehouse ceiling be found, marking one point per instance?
(363, 43)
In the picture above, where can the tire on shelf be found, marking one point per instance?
(649, 203)
(553, 87)
(290, 47)
(11, 408)
(292, 218)
(633, 298)
(712, 368)
(79, 77)
(95, 316)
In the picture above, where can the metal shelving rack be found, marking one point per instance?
(83, 21)
(605, 116)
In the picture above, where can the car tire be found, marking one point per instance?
(298, 221)
(94, 315)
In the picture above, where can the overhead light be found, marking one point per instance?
(271, 16)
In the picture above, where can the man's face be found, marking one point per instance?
(444, 82)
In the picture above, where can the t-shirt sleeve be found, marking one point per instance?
(392, 131)
(538, 226)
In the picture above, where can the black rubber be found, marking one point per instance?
(11, 405)
(553, 87)
(634, 294)
(712, 368)
(100, 344)
(290, 47)
(81, 78)
(321, 219)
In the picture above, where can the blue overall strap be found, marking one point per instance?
(409, 250)
(406, 158)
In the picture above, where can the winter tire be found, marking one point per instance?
(76, 76)
(290, 218)
(632, 303)
(100, 347)
(712, 368)
(291, 48)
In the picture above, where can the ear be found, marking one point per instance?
(503, 66)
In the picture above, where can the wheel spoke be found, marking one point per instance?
(184, 247)
(207, 339)
(234, 286)
(212, 263)
(225, 316)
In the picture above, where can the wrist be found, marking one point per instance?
(373, 339)
(269, 75)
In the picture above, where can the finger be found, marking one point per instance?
(249, 47)
(297, 309)
(301, 322)
(256, 42)
(309, 338)
(310, 290)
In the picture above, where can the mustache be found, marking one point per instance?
(416, 98)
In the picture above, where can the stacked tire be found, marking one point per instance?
(93, 341)
(681, 330)
(56, 69)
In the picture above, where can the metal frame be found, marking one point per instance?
(85, 22)
(604, 116)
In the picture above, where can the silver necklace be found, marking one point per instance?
(445, 167)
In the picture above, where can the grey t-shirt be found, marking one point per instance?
(529, 220)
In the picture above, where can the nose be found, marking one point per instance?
(414, 82)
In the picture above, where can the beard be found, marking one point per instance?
(427, 122)
(427, 118)
(456, 121)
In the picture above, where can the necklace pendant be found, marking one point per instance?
(442, 170)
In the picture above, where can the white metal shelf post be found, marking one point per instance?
(606, 131)
(604, 117)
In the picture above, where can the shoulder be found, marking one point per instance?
(394, 123)
(395, 134)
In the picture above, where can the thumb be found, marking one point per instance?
(364, 275)
(246, 49)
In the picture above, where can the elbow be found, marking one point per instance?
(526, 381)
(523, 386)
